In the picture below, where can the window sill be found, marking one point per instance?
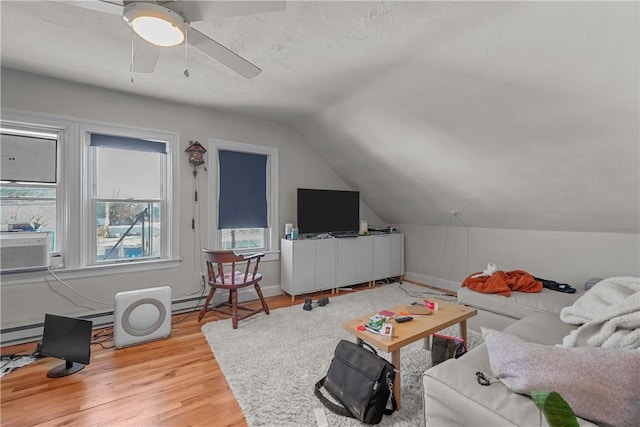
(19, 278)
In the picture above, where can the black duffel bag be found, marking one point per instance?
(361, 381)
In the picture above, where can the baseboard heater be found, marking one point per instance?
(104, 319)
(101, 319)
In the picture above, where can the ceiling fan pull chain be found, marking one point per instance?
(132, 47)
(186, 51)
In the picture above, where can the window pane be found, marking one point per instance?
(243, 238)
(28, 209)
(123, 174)
(127, 230)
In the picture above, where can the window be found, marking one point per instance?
(244, 199)
(127, 197)
(28, 186)
(105, 193)
(130, 184)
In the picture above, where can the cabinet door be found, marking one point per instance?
(346, 261)
(355, 260)
(325, 260)
(286, 266)
(304, 266)
(381, 257)
(397, 254)
(363, 260)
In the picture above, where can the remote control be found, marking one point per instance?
(403, 319)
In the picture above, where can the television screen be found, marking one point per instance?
(69, 339)
(327, 211)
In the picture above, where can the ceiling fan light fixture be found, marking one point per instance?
(156, 24)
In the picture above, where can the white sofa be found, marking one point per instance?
(599, 375)
(498, 312)
(453, 396)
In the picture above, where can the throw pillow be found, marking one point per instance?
(600, 384)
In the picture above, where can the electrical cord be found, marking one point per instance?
(444, 248)
(454, 215)
(457, 216)
(14, 363)
(12, 356)
(421, 294)
(76, 292)
(195, 308)
(100, 343)
(101, 337)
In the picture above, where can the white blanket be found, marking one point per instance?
(608, 315)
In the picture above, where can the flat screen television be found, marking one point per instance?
(69, 339)
(328, 211)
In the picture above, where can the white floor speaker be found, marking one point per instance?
(141, 315)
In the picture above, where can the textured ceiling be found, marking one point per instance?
(517, 114)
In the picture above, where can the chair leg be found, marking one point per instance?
(265, 307)
(233, 297)
(203, 310)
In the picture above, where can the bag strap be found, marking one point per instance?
(340, 410)
(369, 346)
(336, 409)
(394, 403)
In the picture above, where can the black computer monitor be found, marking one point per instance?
(69, 339)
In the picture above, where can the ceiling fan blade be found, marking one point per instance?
(145, 55)
(221, 54)
(111, 7)
(194, 11)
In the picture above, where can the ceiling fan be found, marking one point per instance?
(159, 24)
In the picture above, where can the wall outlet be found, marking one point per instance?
(56, 260)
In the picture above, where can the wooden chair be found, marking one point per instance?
(221, 269)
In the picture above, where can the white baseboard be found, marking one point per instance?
(101, 319)
(432, 281)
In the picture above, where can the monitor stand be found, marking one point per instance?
(65, 369)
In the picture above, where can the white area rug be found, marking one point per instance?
(272, 362)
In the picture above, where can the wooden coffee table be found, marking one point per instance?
(408, 332)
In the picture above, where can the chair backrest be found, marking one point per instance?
(221, 267)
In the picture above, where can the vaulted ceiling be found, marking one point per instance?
(519, 115)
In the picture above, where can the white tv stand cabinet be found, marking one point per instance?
(312, 265)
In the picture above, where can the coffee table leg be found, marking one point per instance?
(463, 331)
(395, 359)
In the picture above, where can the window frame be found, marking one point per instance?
(75, 228)
(64, 131)
(271, 235)
(170, 181)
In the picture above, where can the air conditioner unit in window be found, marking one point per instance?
(24, 251)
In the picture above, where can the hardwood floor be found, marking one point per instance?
(170, 382)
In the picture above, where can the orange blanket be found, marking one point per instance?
(503, 283)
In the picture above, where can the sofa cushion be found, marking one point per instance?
(454, 397)
(599, 384)
(543, 328)
(519, 304)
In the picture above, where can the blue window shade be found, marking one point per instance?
(123, 143)
(242, 201)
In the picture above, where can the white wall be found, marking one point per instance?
(571, 257)
(300, 166)
(568, 257)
